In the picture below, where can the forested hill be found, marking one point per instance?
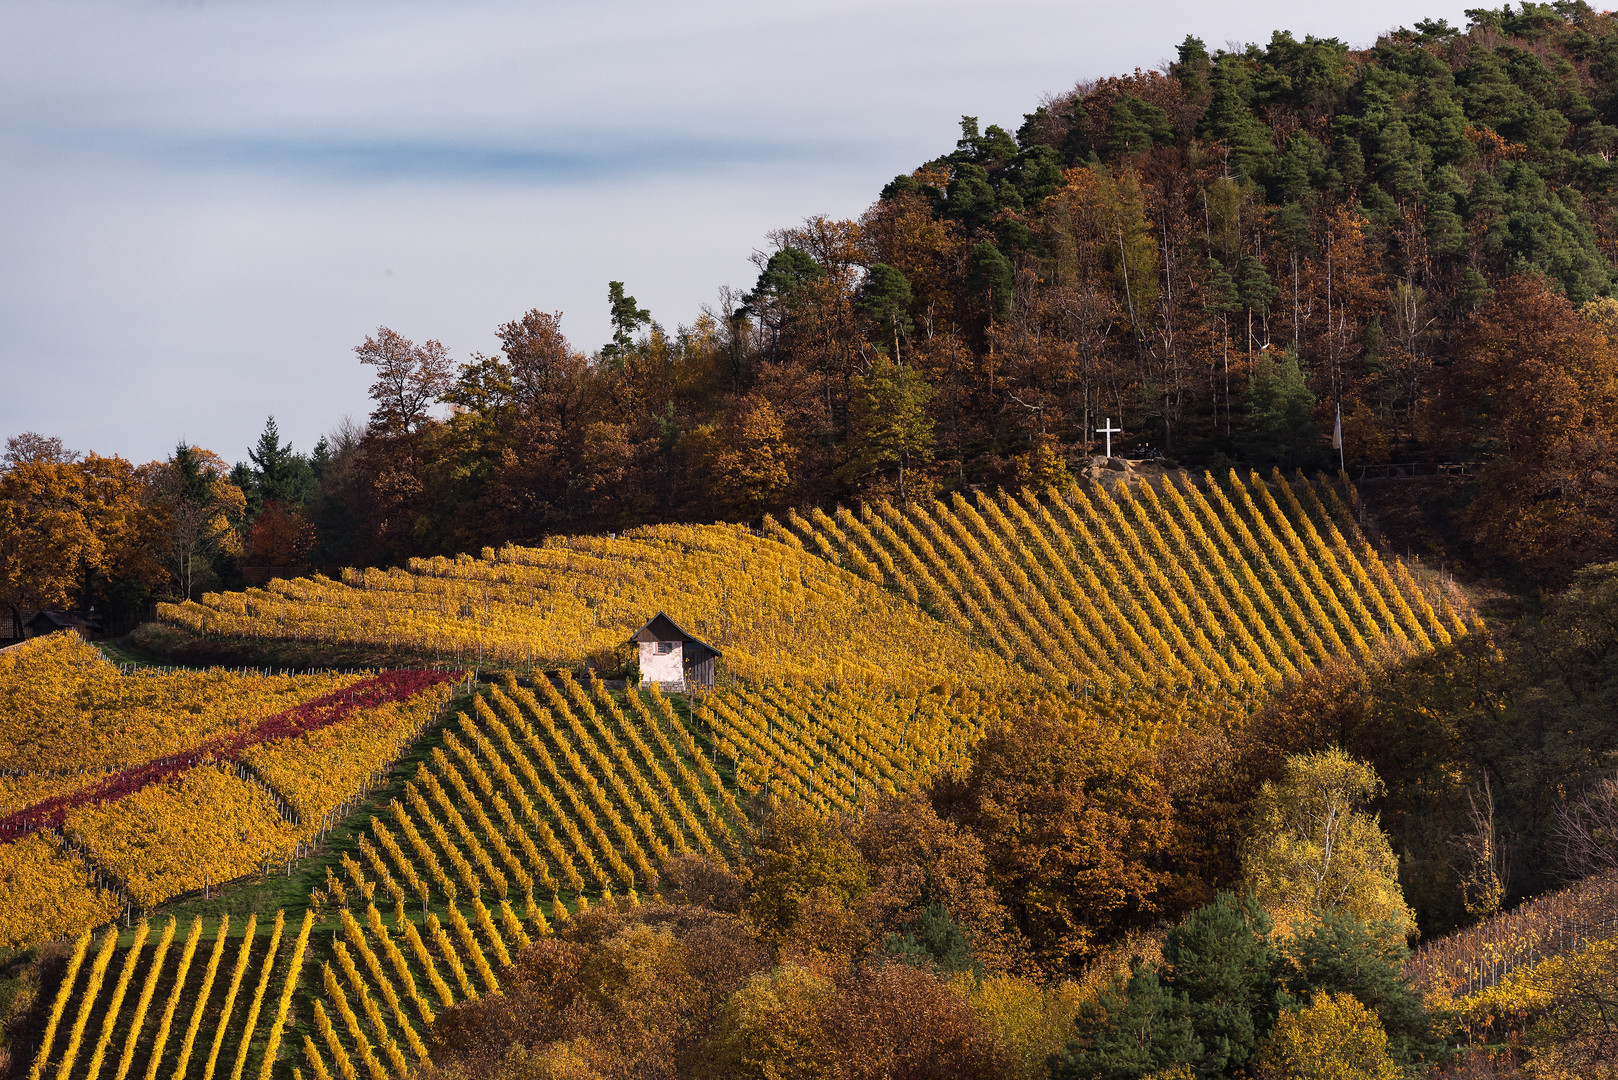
(1412, 225)
(1215, 258)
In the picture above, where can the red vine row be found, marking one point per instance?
(312, 715)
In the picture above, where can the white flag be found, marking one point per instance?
(1337, 432)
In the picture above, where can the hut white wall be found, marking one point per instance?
(667, 668)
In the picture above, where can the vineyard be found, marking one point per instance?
(527, 804)
(532, 803)
(865, 650)
(250, 796)
(213, 999)
(204, 1009)
(565, 789)
(1473, 961)
(781, 613)
(67, 715)
(1239, 584)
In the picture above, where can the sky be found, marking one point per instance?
(204, 206)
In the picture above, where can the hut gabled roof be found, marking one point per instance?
(61, 620)
(662, 628)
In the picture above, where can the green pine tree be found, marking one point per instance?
(989, 279)
(1256, 290)
(1343, 955)
(933, 941)
(1279, 428)
(1191, 67)
(1221, 963)
(320, 458)
(1230, 119)
(1133, 126)
(1210, 1006)
(885, 300)
(1129, 1032)
(627, 317)
(781, 285)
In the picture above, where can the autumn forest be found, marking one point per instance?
(1219, 257)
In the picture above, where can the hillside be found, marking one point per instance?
(125, 791)
(866, 653)
(1236, 584)
(1217, 258)
(1214, 260)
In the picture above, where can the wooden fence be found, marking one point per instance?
(1474, 959)
(1412, 470)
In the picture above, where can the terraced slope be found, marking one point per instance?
(1467, 963)
(867, 650)
(130, 790)
(534, 803)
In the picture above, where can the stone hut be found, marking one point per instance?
(673, 658)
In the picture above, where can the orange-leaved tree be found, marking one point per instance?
(914, 857)
(281, 536)
(1534, 392)
(48, 539)
(1074, 822)
(67, 524)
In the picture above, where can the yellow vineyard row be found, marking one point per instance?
(777, 613)
(534, 800)
(1240, 584)
(174, 823)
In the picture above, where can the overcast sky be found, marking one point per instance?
(205, 206)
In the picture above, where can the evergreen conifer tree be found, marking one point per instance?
(1132, 1031)
(1211, 1005)
(932, 940)
(278, 474)
(1279, 429)
(1221, 964)
(1344, 955)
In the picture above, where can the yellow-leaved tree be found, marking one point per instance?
(773, 1027)
(1577, 997)
(752, 461)
(1334, 1037)
(1026, 1021)
(1312, 846)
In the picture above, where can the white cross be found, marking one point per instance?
(1110, 432)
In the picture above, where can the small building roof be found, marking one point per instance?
(662, 628)
(62, 620)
